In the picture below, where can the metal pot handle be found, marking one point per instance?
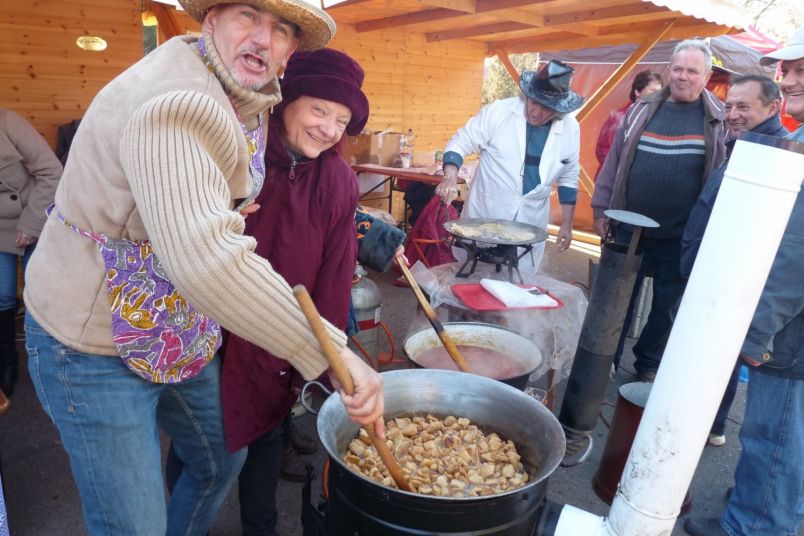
(303, 395)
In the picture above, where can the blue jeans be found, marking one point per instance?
(8, 277)
(661, 259)
(768, 496)
(107, 418)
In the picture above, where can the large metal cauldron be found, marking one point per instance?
(504, 340)
(360, 506)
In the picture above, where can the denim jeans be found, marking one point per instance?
(8, 277)
(107, 418)
(661, 259)
(768, 496)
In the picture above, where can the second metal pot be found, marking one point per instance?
(498, 338)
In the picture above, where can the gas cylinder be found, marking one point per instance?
(367, 301)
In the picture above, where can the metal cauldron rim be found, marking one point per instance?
(542, 418)
(531, 368)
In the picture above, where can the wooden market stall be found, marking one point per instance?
(424, 59)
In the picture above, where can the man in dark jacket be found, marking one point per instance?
(665, 148)
(768, 496)
(752, 105)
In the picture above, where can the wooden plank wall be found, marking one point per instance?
(432, 88)
(45, 77)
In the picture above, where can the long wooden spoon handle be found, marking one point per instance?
(334, 359)
(452, 350)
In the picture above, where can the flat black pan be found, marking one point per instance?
(506, 232)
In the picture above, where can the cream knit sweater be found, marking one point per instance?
(160, 155)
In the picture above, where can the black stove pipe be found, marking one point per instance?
(597, 344)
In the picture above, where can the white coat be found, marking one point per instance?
(498, 134)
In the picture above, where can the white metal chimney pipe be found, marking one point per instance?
(738, 248)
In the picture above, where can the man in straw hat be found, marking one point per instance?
(142, 261)
(526, 144)
(768, 494)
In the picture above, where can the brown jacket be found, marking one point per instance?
(29, 174)
(160, 155)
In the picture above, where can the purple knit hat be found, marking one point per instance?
(330, 75)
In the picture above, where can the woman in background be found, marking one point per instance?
(645, 83)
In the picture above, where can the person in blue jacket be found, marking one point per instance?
(752, 105)
(768, 496)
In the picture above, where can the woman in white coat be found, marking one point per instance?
(526, 144)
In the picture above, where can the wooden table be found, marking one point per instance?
(393, 174)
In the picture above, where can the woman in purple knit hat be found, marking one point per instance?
(305, 227)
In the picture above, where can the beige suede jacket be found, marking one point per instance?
(29, 173)
(160, 155)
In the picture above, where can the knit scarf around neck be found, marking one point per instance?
(248, 104)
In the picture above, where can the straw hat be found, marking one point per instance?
(317, 27)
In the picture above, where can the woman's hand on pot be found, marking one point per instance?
(366, 405)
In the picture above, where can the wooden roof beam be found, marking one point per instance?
(487, 6)
(586, 30)
(540, 44)
(476, 31)
(519, 15)
(513, 72)
(623, 69)
(466, 6)
(167, 24)
(496, 8)
(408, 19)
(609, 13)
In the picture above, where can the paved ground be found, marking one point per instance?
(42, 498)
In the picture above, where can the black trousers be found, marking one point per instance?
(258, 482)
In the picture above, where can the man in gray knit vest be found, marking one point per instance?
(142, 260)
(665, 148)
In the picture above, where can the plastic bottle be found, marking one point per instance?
(410, 142)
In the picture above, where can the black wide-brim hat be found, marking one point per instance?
(550, 87)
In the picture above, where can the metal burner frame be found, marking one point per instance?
(498, 255)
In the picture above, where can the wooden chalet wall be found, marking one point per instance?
(45, 77)
(432, 88)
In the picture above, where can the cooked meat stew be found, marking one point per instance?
(447, 457)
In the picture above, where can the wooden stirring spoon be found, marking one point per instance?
(341, 372)
(452, 350)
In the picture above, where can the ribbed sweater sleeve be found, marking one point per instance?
(177, 151)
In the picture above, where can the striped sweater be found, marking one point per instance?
(610, 188)
(160, 155)
(667, 173)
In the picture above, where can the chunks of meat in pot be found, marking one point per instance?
(447, 457)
